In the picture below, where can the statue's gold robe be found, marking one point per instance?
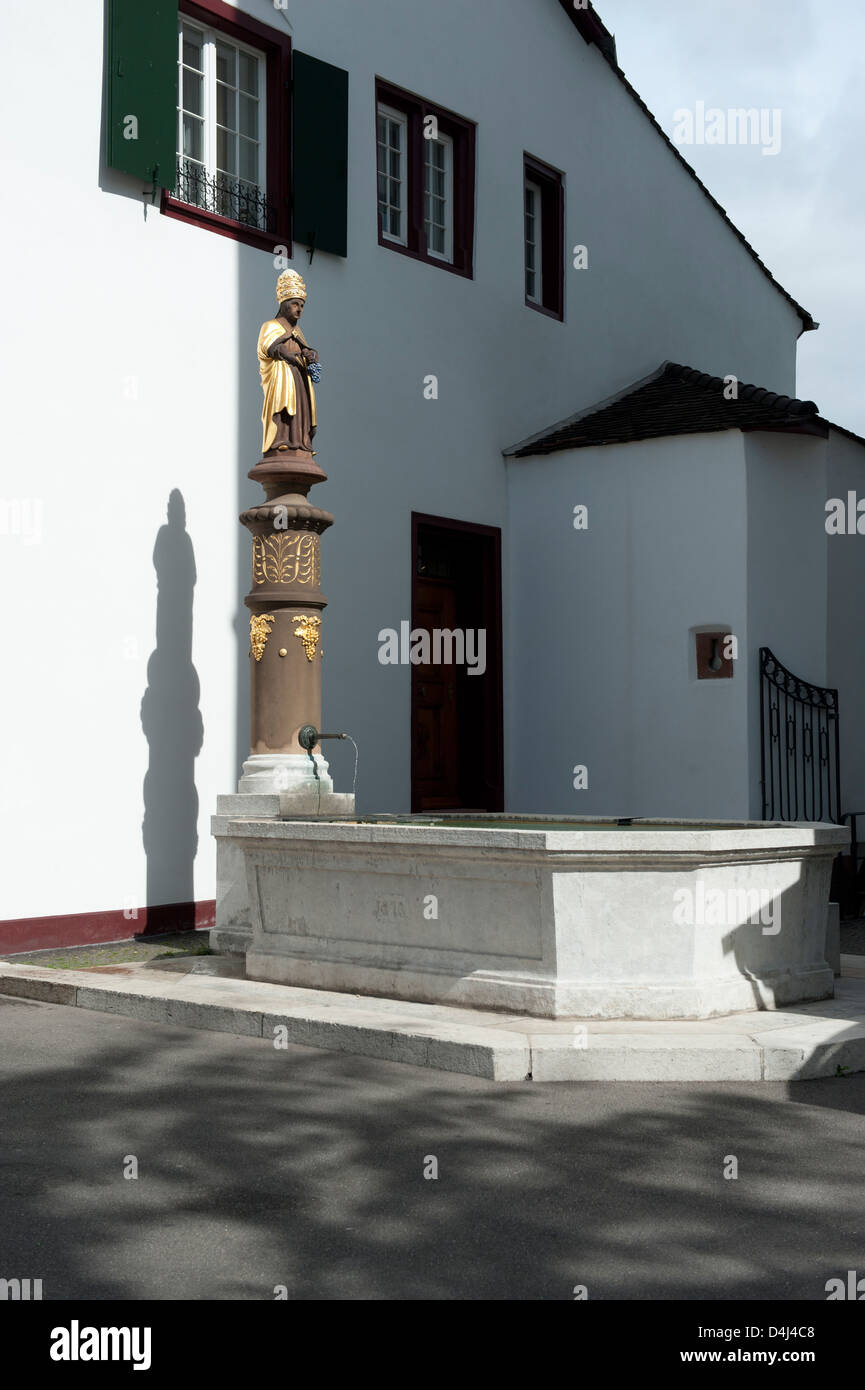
(280, 381)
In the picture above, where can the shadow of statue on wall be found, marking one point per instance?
(173, 727)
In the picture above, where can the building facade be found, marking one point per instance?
(494, 234)
(713, 542)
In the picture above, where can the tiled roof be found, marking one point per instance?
(594, 31)
(675, 400)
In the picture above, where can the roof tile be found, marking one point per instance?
(676, 400)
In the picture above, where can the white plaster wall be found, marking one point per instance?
(97, 292)
(845, 663)
(787, 580)
(603, 672)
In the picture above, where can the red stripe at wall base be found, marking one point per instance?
(88, 928)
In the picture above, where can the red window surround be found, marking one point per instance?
(462, 132)
(552, 187)
(276, 46)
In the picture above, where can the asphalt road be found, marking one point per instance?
(260, 1167)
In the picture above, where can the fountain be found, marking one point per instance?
(566, 917)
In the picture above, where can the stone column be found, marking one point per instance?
(286, 604)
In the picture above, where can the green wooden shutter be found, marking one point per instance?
(142, 84)
(320, 154)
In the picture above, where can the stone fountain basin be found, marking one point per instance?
(565, 917)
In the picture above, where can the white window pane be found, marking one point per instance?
(225, 161)
(192, 137)
(225, 107)
(249, 117)
(192, 50)
(192, 91)
(249, 161)
(248, 73)
(225, 64)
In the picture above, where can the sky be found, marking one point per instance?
(802, 209)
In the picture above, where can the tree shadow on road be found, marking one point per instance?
(260, 1167)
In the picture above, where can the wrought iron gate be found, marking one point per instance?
(799, 747)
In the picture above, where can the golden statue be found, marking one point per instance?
(284, 361)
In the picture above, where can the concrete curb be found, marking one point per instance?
(808, 1041)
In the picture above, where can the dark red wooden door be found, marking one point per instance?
(456, 712)
(435, 731)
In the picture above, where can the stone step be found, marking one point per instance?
(802, 1042)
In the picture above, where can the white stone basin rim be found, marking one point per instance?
(693, 838)
(684, 922)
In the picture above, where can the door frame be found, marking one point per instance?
(491, 536)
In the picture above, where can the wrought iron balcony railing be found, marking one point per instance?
(227, 197)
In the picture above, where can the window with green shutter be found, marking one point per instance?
(205, 102)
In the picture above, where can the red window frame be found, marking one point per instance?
(552, 186)
(276, 47)
(462, 133)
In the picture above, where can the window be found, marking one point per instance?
(221, 125)
(534, 234)
(392, 192)
(438, 197)
(233, 151)
(245, 135)
(543, 212)
(425, 167)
